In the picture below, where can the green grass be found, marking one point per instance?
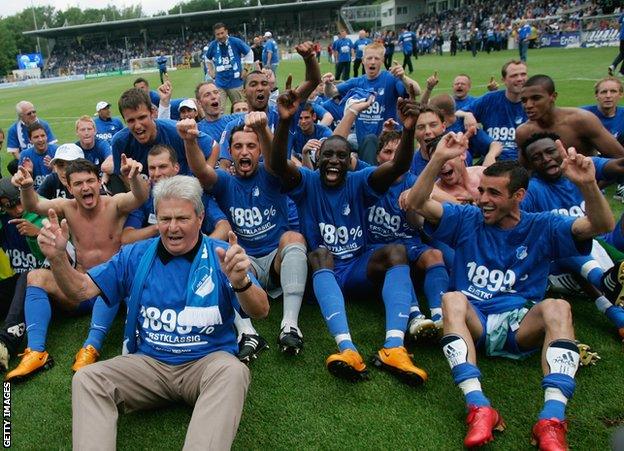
(294, 403)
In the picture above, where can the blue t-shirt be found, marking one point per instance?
(418, 163)
(387, 90)
(500, 269)
(478, 145)
(100, 151)
(40, 170)
(297, 139)
(16, 248)
(614, 124)
(336, 109)
(500, 118)
(560, 196)
(106, 129)
(386, 222)
(144, 215)
(407, 39)
(359, 47)
(343, 47)
(162, 300)
(227, 62)
(124, 142)
(214, 129)
(19, 129)
(524, 32)
(270, 46)
(162, 63)
(335, 218)
(463, 104)
(255, 207)
(239, 119)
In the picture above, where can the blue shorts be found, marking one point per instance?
(415, 250)
(615, 237)
(499, 334)
(352, 274)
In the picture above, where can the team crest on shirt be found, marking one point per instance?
(255, 192)
(519, 120)
(381, 91)
(521, 252)
(346, 210)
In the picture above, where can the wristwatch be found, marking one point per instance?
(245, 287)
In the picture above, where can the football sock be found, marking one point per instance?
(37, 312)
(293, 275)
(602, 304)
(101, 320)
(466, 375)
(243, 325)
(563, 358)
(397, 295)
(615, 315)
(331, 302)
(436, 283)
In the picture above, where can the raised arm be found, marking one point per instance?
(386, 174)
(580, 170)
(258, 122)
(287, 104)
(312, 70)
(52, 241)
(207, 176)
(31, 201)
(352, 109)
(431, 83)
(139, 188)
(419, 196)
(410, 85)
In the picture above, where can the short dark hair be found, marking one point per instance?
(218, 25)
(337, 138)
(163, 148)
(236, 129)
(518, 176)
(235, 102)
(386, 137)
(35, 126)
(81, 165)
(132, 99)
(536, 137)
(140, 80)
(430, 109)
(463, 75)
(541, 80)
(445, 103)
(509, 63)
(199, 86)
(253, 72)
(309, 107)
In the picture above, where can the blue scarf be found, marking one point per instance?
(219, 67)
(202, 293)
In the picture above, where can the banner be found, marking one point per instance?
(29, 60)
(103, 74)
(566, 39)
(601, 38)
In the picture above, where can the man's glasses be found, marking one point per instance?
(31, 113)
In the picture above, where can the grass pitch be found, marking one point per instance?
(294, 403)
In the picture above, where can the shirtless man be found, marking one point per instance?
(96, 225)
(576, 127)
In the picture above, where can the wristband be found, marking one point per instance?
(246, 287)
(24, 188)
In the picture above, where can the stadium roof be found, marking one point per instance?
(172, 19)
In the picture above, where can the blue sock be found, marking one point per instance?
(331, 302)
(615, 315)
(467, 376)
(595, 277)
(37, 312)
(414, 310)
(101, 319)
(397, 296)
(558, 389)
(436, 283)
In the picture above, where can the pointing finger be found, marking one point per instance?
(232, 238)
(289, 82)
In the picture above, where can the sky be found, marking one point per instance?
(149, 6)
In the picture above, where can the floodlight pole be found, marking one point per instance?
(35, 21)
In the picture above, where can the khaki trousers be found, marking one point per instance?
(215, 384)
(234, 94)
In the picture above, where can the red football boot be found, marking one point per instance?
(482, 420)
(550, 435)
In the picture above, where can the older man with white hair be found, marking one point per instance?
(190, 286)
(17, 135)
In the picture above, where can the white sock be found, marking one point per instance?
(243, 325)
(602, 304)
